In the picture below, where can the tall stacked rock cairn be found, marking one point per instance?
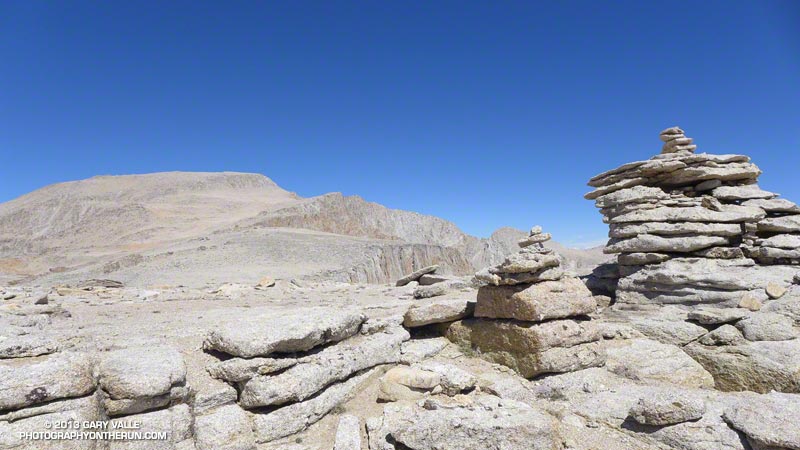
(695, 228)
(531, 316)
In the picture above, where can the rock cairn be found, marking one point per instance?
(530, 316)
(691, 228)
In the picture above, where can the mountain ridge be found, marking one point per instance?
(86, 227)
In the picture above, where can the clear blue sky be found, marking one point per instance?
(484, 113)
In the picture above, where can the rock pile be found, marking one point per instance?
(292, 369)
(692, 228)
(530, 316)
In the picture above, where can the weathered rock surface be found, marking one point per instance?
(471, 423)
(416, 350)
(239, 369)
(529, 348)
(567, 297)
(767, 327)
(225, 428)
(348, 433)
(438, 310)
(26, 345)
(299, 416)
(453, 380)
(647, 360)
(752, 366)
(315, 372)
(724, 335)
(415, 275)
(32, 381)
(667, 408)
(138, 379)
(298, 330)
(768, 421)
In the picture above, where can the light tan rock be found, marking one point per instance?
(750, 302)
(775, 290)
(532, 349)
(567, 297)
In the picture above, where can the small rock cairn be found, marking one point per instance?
(692, 228)
(530, 316)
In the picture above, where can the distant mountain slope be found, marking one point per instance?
(194, 228)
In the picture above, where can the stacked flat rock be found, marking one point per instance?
(694, 228)
(530, 316)
(292, 369)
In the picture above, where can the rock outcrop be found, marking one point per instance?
(692, 228)
(291, 370)
(530, 316)
(696, 231)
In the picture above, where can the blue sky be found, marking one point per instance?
(485, 113)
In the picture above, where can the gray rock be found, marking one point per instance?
(348, 433)
(291, 419)
(415, 275)
(453, 379)
(416, 350)
(775, 205)
(534, 239)
(708, 185)
(736, 193)
(614, 187)
(26, 345)
(526, 261)
(176, 422)
(753, 366)
(636, 194)
(433, 278)
(769, 421)
(788, 306)
(501, 279)
(438, 289)
(472, 423)
(626, 230)
(650, 243)
(43, 379)
(767, 327)
(90, 401)
(438, 310)
(41, 420)
(225, 428)
(699, 280)
(298, 330)
(675, 332)
(724, 335)
(668, 407)
(238, 369)
(721, 253)
(315, 372)
(788, 241)
(210, 394)
(732, 214)
(717, 316)
(141, 372)
(651, 361)
(567, 297)
(785, 224)
(708, 433)
(641, 259)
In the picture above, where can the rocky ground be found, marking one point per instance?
(338, 365)
(687, 340)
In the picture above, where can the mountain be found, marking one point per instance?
(197, 228)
